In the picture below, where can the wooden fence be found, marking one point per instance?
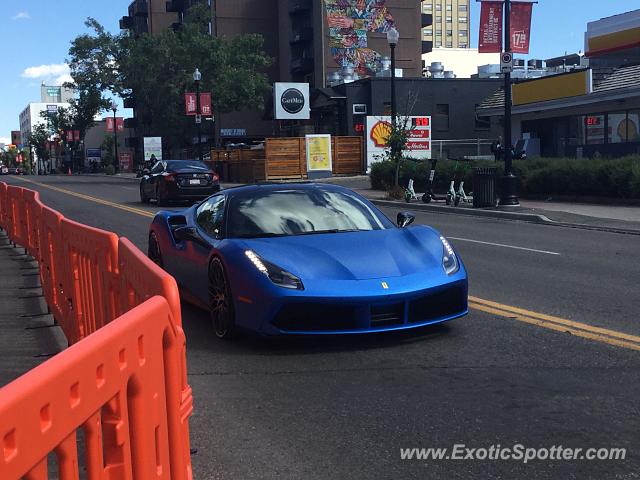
(285, 158)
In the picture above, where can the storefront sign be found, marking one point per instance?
(233, 132)
(490, 27)
(152, 146)
(318, 153)
(291, 101)
(125, 161)
(93, 155)
(418, 144)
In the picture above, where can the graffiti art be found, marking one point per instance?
(349, 22)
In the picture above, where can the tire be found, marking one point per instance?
(143, 197)
(456, 202)
(220, 301)
(448, 200)
(426, 198)
(154, 252)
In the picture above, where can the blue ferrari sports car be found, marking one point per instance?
(306, 259)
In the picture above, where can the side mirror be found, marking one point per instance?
(405, 219)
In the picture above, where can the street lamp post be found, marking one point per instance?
(509, 196)
(197, 76)
(114, 107)
(392, 38)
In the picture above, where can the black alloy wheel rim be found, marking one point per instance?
(219, 300)
(154, 250)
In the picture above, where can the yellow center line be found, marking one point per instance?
(89, 198)
(583, 330)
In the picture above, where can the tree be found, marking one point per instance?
(155, 71)
(38, 140)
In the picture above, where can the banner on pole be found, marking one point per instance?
(110, 124)
(521, 26)
(190, 103)
(120, 124)
(490, 27)
(205, 104)
(76, 135)
(69, 135)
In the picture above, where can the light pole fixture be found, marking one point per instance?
(508, 196)
(197, 77)
(114, 107)
(393, 36)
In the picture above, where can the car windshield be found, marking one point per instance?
(173, 165)
(272, 213)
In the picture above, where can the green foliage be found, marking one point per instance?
(157, 70)
(110, 170)
(38, 140)
(614, 178)
(108, 152)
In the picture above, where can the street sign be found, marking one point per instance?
(198, 118)
(506, 62)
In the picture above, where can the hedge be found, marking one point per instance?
(614, 178)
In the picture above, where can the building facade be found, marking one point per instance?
(451, 26)
(307, 39)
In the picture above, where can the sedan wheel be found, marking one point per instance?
(220, 301)
(154, 250)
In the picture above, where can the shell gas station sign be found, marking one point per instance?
(379, 129)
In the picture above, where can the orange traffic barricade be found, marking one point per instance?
(92, 281)
(116, 387)
(52, 265)
(4, 212)
(14, 202)
(31, 207)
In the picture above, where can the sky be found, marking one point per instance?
(35, 36)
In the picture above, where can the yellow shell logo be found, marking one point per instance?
(380, 133)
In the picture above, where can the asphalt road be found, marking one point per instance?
(506, 374)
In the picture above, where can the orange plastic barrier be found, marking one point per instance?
(92, 280)
(32, 209)
(116, 387)
(53, 265)
(4, 214)
(14, 202)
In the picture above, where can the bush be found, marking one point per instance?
(110, 170)
(601, 177)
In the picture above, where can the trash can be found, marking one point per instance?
(484, 187)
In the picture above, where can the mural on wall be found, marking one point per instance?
(349, 23)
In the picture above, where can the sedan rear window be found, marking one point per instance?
(174, 165)
(273, 213)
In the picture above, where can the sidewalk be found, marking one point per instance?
(28, 335)
(613, 218)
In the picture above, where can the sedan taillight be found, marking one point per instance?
(169, 177)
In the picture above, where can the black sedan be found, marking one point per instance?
(178, 180)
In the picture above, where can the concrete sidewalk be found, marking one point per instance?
(29, 336)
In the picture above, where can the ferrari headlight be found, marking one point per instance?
(277, 275)
(449, 259)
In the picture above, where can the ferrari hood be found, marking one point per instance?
(354, 255)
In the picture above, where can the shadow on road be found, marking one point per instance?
(200, 336)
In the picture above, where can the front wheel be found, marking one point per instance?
(220, 301)
(426, 198)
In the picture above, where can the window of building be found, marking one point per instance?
(464, 45)
(428, 31)
(462, 8)
(442, 116)
(438, 43)
(438, 19)
(449, 33)
(449, 44)
(633, 126)
(594, 129)
(462, 33)
(449, 19)
(463, 19)
(438, 8)
(428, 8)
(449, 7)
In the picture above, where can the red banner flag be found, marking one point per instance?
(490, 27)
(190, 103)
(69, 135)
(110, 125)
(521, 26)
(120, 124)
(76, 135)
(205, 104)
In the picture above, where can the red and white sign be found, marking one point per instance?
(76, 135)
(521, 26)
(109, 124)
(69, 135)
(190, 103)
(205, 104)
(120, 124)
(418, 144)
(125, 161)
(19, 158)
(490, 27)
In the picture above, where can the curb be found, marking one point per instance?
(523, 217)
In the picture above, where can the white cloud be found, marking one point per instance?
(58, 72)
(21, 16)
(62, 79)
(5, 140)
